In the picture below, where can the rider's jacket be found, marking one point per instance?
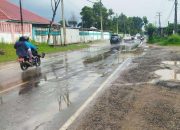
(21, 49)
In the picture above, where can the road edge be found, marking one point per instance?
(107, 82)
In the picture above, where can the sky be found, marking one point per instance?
(139, 8)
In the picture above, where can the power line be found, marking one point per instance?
(91, 1)
(160, 4)
(170, 13)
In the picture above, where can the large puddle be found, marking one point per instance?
(172, 73)
(176, 63)
(166, 74)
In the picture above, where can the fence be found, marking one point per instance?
(76, 36)
(10, 32)
(86, 36)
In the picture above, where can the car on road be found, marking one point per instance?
(115, 39)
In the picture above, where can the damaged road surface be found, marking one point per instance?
(45, 98)
(145, 96)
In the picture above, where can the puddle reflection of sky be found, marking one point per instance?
(169, 74)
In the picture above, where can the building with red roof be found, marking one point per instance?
(34, 26)
(37, 27)
(10, 12)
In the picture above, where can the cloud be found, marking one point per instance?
(129, 7)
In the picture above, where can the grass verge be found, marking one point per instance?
(7, 51)
(173, 40)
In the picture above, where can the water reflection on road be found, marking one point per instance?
(57, 89)
(172, 71)
(33, 77)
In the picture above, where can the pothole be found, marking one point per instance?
(171, 71)
(171, 63)
(168, 74)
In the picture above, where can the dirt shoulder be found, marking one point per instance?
(139, 99)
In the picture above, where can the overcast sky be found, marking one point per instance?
(139, 8)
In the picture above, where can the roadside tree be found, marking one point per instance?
(54, 7)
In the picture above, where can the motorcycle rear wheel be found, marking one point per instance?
(23, 66)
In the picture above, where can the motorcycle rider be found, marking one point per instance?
(24, 48)
(32, 49)
(21, 48)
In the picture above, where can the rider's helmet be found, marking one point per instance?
(24, 38)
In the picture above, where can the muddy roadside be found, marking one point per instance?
(146, 96)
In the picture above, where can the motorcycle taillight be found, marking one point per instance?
(20, 59)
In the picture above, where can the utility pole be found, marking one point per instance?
(63, 20)
(102, 35)
(21, 15)
(124, 25)
(83, 29)
(117, 26)
(175, 17)
(159, 15)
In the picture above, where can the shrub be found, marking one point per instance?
(172, 40)
(156, 39)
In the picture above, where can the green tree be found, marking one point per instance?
(88, 19)
(109, 25)
(145, 20)
(150, 29)
(138, 24)
(169, 29)
(131, 25)
(91, 16)
(122, 19)
(97, 8)
(110, 13)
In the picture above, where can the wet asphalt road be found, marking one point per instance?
(44, 98)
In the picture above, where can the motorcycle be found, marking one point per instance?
(25, 63)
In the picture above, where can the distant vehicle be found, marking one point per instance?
(115, 42)
(115, 39)
(127, 38)
(132, 38)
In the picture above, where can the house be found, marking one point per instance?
(34, 26)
